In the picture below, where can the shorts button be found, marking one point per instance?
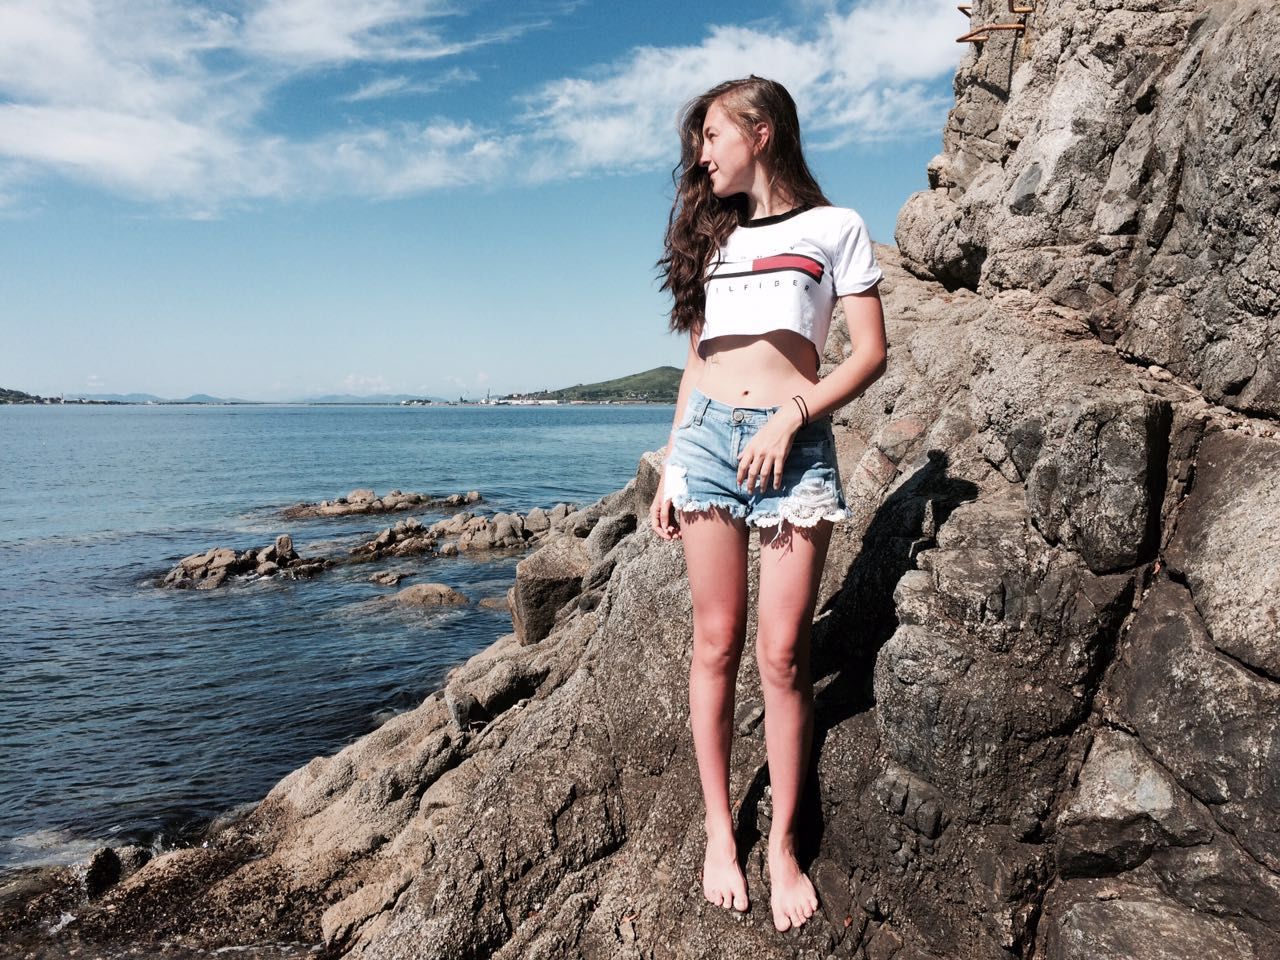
(737, 416)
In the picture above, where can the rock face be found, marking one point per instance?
(1121, 161)
(1045, 661)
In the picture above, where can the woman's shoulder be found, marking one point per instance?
(841, 218)
(833, 228)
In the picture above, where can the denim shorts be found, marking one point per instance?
(702, 467)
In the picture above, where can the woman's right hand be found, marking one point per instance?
(662, 518)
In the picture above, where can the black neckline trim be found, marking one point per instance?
(777, 217)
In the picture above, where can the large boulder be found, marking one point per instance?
(545, 581)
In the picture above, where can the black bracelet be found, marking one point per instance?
(804, 410)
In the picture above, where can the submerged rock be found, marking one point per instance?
(366, 501)
(214, 568)
(390, 578)
(429, 595)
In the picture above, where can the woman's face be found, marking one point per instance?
(727, 154)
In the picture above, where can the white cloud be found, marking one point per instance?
(159, 156)
(161, 101)
(858, 75)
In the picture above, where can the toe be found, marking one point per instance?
(740, 901)
(780, 920)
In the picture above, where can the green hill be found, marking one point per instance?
(659, 385)
(17, 396)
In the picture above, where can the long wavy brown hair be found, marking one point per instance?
(700, 221)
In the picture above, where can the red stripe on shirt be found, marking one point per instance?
(789, 261)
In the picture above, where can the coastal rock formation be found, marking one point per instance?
(406, 538)
(463, 532)
(212, 569)
(366, 501)
(1045, 657)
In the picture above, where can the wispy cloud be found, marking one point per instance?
(361, 385)
(400, 86)
(309, 33)
(382, 87)
(163, 101)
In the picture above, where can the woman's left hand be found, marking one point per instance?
(762, 459)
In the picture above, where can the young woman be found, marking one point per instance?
(755, 259)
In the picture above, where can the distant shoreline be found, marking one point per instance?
(75, 402)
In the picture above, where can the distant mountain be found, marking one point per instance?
(659, 385)
(205, 398)
(118, 397)
(371, 398)
(152, 398)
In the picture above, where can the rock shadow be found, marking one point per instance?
(855, 623)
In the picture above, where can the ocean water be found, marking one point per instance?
(134, 714)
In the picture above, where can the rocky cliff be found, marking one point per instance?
(1047, 657)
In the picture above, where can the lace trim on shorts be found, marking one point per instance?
(810, 500)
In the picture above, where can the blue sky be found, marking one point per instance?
(273, 199)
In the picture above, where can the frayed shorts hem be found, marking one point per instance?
(757, 518)
(740, 511)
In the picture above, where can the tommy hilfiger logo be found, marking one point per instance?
(781, 262)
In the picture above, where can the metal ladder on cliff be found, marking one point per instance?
(982, 34)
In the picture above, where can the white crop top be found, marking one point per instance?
(785, 272)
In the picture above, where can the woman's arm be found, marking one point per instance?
(864, 316)
(661, 515)
(692, 367)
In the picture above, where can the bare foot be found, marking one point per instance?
(722, 879)
(791, 894)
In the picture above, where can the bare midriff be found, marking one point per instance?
(757, 370)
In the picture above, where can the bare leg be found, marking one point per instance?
(791, 562)
(715, 549)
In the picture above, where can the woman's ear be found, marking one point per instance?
(762, 135)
